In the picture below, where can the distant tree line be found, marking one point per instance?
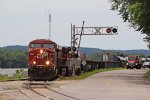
(13, 58)
(16, 56)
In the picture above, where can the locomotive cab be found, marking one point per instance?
(42, 57)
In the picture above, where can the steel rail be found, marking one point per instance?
(45, 85)
(46, 97)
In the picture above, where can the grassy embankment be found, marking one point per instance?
(17, 76)
(148, 74)
(87, 74)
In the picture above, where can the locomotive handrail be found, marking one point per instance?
(52, 63)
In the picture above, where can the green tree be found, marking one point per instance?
(13, 58)
(137, 13)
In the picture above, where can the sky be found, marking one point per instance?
(24, 20)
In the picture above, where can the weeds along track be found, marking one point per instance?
(50, 90)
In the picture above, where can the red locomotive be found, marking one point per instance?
(46, 59)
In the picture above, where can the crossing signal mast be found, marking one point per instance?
(78, 32)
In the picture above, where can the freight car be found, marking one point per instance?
(46, 60)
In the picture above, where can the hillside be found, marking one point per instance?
(89, 51)
(96, 50)
(17, 47)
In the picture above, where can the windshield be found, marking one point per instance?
(48, 46)
(35, 45)
(131, 58)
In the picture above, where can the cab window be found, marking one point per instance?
(48, 46)
(131, 58)
(35, 45)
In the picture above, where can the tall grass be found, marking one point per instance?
(17, 76)
(148, 74)
(87, 74)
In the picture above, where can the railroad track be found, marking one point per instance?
(38, 93)
(29, 85)
(45, 85)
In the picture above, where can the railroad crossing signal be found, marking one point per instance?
(80, 31)
(74, 40)
(69, 55)
(74, 48)
(76, 55)
(108, 30)
(114, 30)
(72, 53)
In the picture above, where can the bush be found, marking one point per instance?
(18, 75)
(148, 74)
(3, 77)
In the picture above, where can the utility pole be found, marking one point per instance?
(49, 26)
(49, 18)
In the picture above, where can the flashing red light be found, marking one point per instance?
(70, 55)
(108, 30)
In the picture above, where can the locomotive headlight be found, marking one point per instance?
(127, 64)
(34, 62)
(47, 62)
(41, 51)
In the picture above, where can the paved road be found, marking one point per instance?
(114, 85)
